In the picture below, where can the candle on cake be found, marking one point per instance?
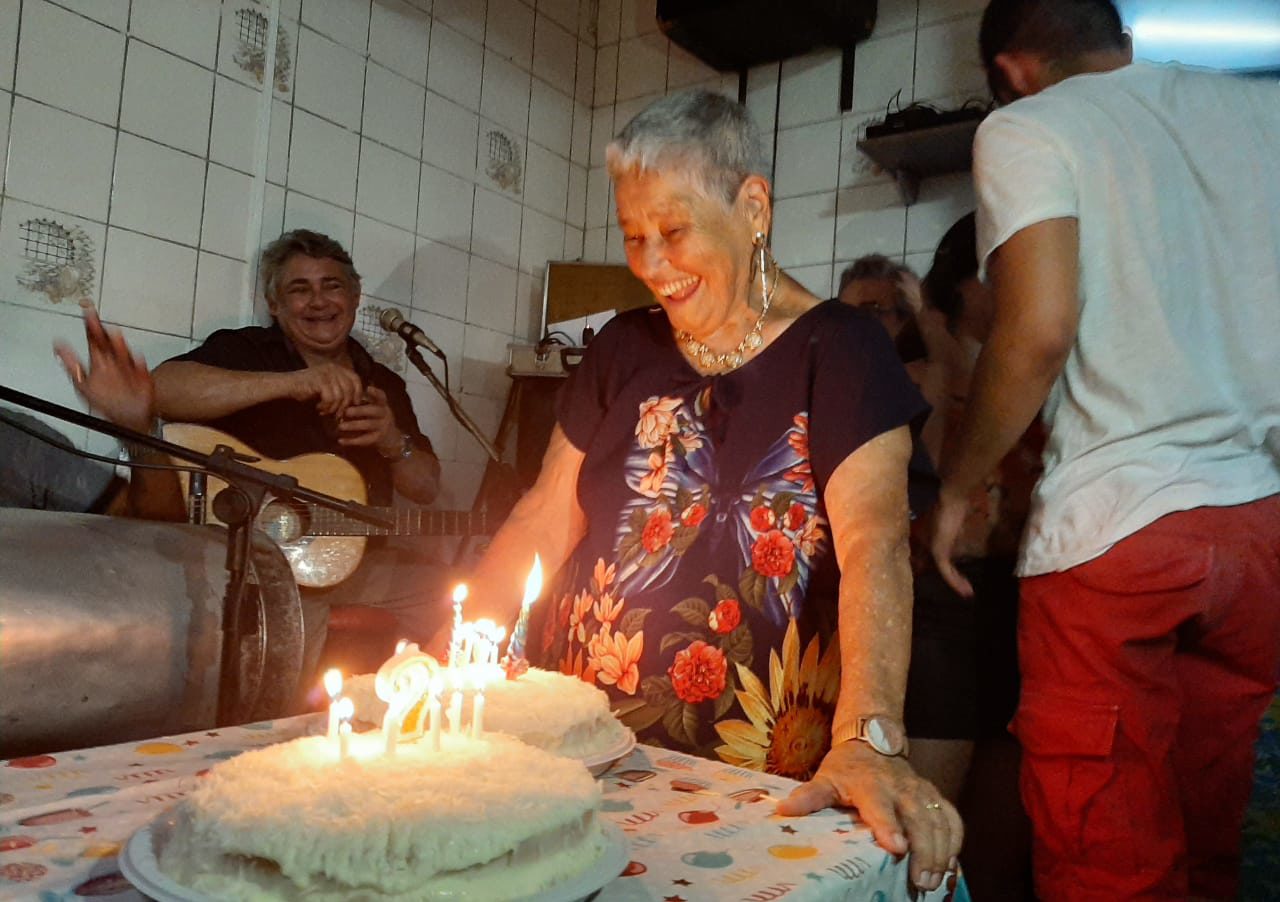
(514, 663)
(346, 709)
(477, 709)
(455, 637)
(401, 682)
(333, 686)
(434, 714)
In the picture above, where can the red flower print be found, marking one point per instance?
(762, 518)
(726, 616)
(698, 672)
(795, 516)
(693, 514)
(773, 554)
(657, 531)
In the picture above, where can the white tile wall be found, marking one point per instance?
(60, 161)
(166, 99)
(509, 31)
(189, 29)
(393, 110)
(330, 79)
(69, 62)
(491, 294)
(235, 122)
(20, 258)
(157, 190)
(505, 95)
(609, 27)
(440, 279)
(148, 283)
(882, 70)
(550, 118)
(218, 287)
(8, 49)
(388, 185)
(323, 159)
(454, 67)
(302, 212)
(495, 229)
(449, 135)
(386, 261)
(226, 201)
(445, 204)
(555, 52)
(464, 16)
(642, 66)
(399, 38)
(112, 13)
(546, 181)
(344, 21)
(808, 159)
(947, 61)
(810, 89)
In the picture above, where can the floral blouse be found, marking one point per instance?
(703, 597)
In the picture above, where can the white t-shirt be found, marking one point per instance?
(1170, 398)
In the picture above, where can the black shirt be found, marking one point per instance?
(285, 428)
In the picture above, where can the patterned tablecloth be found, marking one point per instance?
(699, 830)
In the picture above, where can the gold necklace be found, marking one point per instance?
(731, 360)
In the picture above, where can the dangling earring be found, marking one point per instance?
(761, 250)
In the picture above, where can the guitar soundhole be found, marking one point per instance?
(282, 521)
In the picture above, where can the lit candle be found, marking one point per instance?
(333, 686)
(434, 713)
(532, 589)
(346, 709)
(400, 646)
(455, 638)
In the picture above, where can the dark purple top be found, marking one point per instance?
(704, 594)
(285, 428)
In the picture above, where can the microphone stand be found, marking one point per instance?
(498, 475)
(236, 506)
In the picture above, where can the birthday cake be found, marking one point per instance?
(482, 819)
(555, 712)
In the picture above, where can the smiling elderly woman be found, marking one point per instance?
(725, 497)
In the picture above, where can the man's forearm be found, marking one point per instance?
(417, 476)
(1010, 385)
(195, 392)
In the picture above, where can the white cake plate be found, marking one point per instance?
(138, 862)
(602, 761)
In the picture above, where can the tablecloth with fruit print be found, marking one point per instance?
(698, 829)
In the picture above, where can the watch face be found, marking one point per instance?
(885, 736)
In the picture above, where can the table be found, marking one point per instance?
(699, 830)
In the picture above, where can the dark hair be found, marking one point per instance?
(1057, 29)
(955, 260)
(309, 244)
(874, 267)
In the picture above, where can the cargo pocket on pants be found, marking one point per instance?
(1068, 775)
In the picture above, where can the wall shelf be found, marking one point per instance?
(921, 152)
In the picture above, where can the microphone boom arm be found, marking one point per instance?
(415, 357)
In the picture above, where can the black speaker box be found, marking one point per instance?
(731, 35)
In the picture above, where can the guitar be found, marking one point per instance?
(323, 546)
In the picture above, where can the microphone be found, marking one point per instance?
(391, 320)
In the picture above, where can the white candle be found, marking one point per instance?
(455, 638)
(401, 682)
(333, 686)
(434, 713)
(346, 709)
(455, 709)
(477, 711)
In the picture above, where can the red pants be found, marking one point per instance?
(1145, 673)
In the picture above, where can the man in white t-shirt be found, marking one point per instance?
(1129, 221)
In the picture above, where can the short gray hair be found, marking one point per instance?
(709, 136)
(309, 244)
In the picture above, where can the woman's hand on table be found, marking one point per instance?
(904, 811)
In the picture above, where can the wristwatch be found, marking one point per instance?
(406, 448)
(883, 733)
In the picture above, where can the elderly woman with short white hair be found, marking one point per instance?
(725, 499)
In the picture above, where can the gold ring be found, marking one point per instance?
(934, 806)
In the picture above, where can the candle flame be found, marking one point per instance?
(533, 585)
(459, 593)
(346, 709)
(333, 682)
(400, 646)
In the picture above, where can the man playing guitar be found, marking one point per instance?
(304, 385)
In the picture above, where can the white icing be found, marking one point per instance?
(550, 710)
(481, 819)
